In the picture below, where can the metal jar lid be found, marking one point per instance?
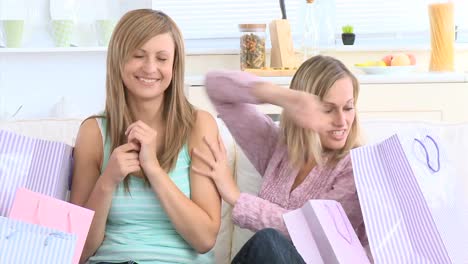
(252, 27)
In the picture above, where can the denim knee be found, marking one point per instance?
(269, 234)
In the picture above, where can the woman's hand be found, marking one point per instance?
(146, 138)
(305, 110)
(219, 172)
(122, 162)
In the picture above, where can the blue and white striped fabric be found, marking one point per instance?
(39, 165)
(398, 220)
(24, 243)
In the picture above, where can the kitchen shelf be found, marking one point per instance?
(53, 50)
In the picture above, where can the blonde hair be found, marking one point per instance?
(133, 30)
(316, 76)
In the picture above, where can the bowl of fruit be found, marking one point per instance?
(390, 64)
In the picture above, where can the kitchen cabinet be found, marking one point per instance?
(427, 97)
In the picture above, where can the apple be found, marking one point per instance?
(388, 60)
(412, 58)
(400, 60)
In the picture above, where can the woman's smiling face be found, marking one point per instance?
(338, 106)
(148, 71)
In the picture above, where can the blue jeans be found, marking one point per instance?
(268, 246)
(126, 262)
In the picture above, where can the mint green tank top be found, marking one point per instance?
(137, 226)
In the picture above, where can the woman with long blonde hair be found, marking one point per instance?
(305, 157)
(132, 163)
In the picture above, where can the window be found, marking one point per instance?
(213, 23)
(396, 20)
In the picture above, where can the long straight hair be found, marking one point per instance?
(133, 30)
(316, 76)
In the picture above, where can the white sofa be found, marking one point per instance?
(231, 238)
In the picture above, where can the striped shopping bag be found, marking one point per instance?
(24, 243)
(40, 209)
(398, 220)
(39, 165)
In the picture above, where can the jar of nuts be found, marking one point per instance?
(252, 46)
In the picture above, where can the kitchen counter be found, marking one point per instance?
(423, 77)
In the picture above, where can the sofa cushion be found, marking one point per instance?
(222, 249)
(249, 181)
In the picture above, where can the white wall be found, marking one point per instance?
(39, 79)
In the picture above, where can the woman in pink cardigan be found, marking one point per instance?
(306, 157)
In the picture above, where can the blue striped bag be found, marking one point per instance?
(24, 243)
(400, 220)
(41, 166)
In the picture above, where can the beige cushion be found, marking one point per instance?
(249, 181)
(63, 130)
(222, 249)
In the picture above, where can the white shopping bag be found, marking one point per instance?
(413, 197)
(22, 242)
(322, 233)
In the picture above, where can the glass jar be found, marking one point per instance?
(252, 46)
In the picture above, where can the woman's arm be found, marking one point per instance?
(197, 218)
(86, 183)
(91, 190)
(249, 211)
(253, 131)
(254, 213)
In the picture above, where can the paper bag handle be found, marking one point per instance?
(46, 241)
(36, 214)
(348, 238)
(54, 235)
(427, 154)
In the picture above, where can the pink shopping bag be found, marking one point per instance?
(39, 165)
(399, 222)
(46, 211)
(322, 233)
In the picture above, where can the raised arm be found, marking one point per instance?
(233, 95)
(256, 133)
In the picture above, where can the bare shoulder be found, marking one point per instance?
(89, 136)
(205, 126)
(205, 123)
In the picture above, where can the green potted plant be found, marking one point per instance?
(348, 36)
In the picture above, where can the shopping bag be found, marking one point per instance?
(25, 243)
(322, 233)
(47, 211)
(40, 165)
(400, 225)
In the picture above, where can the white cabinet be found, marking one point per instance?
(423, 101)
(442, 99)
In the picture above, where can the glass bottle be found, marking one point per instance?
(310, 33)
(326, 26)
